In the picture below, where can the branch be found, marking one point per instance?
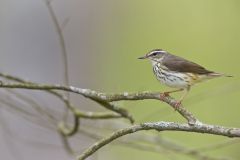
(61, 40)
(62, 47)
(150, 142)
(97, 115)
(77, 112)
(93, 95)
(105, 99)
(153, 95)
(63, 129)
(162, 126)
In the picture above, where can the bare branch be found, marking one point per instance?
(153, 95)
(105, 99)
(80, 114)
(63, 50)
(61, 40)
(97, 115)
(162, 126)
(93, 95)
(149, 142)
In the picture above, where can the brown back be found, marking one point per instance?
(178, 64)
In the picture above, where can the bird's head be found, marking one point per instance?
(155, 55)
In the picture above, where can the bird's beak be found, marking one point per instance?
(144, 57)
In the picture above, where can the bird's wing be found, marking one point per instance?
(178, 64)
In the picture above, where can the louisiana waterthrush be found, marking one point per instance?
(177, 72)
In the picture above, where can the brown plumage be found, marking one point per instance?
(178, 64)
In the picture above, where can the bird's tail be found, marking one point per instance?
(214, 74)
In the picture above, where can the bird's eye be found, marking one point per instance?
(154, 54)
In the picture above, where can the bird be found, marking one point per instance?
(177, 72)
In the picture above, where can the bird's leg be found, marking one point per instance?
(166, 94)
(178, 103)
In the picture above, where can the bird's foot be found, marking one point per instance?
(177, 104)
(164, 95)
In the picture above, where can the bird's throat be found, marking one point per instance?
(156, 61)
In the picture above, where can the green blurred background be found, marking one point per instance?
(206, 32)
(104, 38)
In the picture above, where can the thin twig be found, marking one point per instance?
(33, 104)
(63, 50)
(218, 145)
(61, 41)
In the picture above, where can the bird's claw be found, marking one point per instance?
(164, 95)
(177, 104)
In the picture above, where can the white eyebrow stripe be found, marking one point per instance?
(158, 52)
